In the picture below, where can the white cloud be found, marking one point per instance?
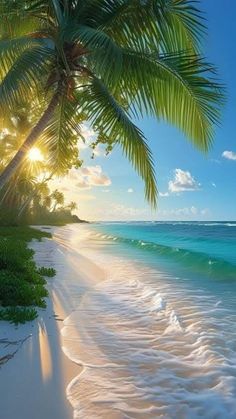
(185, 213)
(100, 180)
(230, 155)
(183, 181)
(118, 211)
(89, 137)
(130, 190)
(121, 212)
(164, 194)
(77, 186)
(87, 132)
(79, 180)
(82, 184)
(91, 176)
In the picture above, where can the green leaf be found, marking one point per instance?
(104, 55)
(174, 88)
(169, 25)
(61, 136)
(23, 74)
(57, 9)
(181, 25)
(108, 116)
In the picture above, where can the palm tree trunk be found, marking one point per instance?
(30, 140)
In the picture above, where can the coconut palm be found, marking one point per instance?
(14, 194)
(72, 206)
(58, 198)
(47, 202)
(106, 61)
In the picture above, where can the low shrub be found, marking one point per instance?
(22, 284)
(18, 315)
(23, 233)
(16, 291)
(14, 254)
(50, 272)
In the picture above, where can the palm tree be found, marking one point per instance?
(72, 206)
(105, 61)
(39, 195)
(58, 198)
(47, 202)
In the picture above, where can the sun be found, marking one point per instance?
(35, 154)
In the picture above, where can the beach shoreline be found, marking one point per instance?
(120, 335)
(35, 372)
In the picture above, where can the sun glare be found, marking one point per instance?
(35, 154)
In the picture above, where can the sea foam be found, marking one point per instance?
(151, 345)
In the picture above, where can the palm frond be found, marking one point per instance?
(57, 10)
(171, 25)
(174, 87)
(126, 57)
(181, 25)
(27, 71)
(108, 116)
(16, 21)
(61, 136)
(103, 52)
(12, 48)
(128, 22)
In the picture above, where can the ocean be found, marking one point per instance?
(157, 337)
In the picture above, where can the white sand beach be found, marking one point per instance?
(36, 372)
(120, 337)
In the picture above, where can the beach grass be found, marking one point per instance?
(22, 283)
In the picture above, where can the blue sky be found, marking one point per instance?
(199, 187)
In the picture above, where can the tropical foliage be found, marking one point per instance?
(106, 62)
(26, 197)
(22, 284)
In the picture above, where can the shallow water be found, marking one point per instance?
(157, 337)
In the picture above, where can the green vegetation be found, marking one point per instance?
(105, 62)
(22, 284)
(50, 272)
(18, 315)
(22, 233)
(27, 197)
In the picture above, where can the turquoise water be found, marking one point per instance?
(198, 243)
(157, 337)
(207, 250)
